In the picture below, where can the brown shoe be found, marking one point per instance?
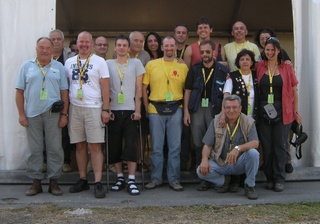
(35, 188)
(54, 188)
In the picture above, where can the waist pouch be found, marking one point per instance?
(271, 113)
(167, 108)
(57, 106)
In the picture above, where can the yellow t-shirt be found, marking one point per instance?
(163, 77)
(232, 49)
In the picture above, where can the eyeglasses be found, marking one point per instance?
(272, 38)
(231, 107)
(100, 45)
(206, 51)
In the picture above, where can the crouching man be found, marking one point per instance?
(231, 150)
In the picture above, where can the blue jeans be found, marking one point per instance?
(247, 163)
(171, 125)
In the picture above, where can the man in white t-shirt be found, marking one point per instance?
(89, 95)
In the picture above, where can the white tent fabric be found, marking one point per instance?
(21, 24)
(306, 15)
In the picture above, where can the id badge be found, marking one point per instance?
(120, 98)
(43, 94)
(249, 109)
(205, 102)
(169, 96)
(270, 99)
(79, 94)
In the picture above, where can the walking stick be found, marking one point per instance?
(141, 154)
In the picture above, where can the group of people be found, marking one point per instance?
(230, 98)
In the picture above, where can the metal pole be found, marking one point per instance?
(141, 154)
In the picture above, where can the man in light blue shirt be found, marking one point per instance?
(42, 82)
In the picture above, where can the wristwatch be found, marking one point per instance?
(106, 110)
(237, 148)
(67, 115)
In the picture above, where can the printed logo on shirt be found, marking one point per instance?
(76, 74)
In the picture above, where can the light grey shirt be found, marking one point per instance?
(132, 71)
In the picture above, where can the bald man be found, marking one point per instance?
(89, 94)
(239, 32)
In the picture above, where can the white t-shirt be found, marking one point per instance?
(246, 78)
(133, 70)
(91, 88)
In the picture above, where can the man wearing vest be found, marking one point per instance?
(231, 149)
(203, 96)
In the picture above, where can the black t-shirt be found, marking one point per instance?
(265, 88)
(179, 52)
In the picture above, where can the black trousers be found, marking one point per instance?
(274, 140)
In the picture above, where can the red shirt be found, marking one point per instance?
(289, 80)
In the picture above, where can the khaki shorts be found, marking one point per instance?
(85, 125)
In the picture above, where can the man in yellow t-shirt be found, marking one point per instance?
(165, 78)
(239, 32)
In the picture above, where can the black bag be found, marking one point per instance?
(167, 108)
(301, 138)
(271, 113)
(57, 106)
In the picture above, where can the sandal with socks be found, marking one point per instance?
(132, 188)
(119, 185)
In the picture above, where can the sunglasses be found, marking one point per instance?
(272, 39)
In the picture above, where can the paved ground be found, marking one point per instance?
(303, 185)
(12, 196)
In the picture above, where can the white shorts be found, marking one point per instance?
(85, 125)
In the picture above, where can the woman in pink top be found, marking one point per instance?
(278, 108)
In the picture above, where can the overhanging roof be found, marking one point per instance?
(105, 16)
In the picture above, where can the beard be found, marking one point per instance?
(207, 60)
